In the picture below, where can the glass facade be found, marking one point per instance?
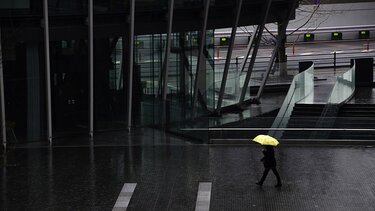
(23, 68)
(69, 84)
(22, 28)
(24, 71)
(16, 4)
(149, 58)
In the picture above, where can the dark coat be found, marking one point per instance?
(269, 160)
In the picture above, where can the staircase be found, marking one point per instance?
(303, 116)
(355, 116)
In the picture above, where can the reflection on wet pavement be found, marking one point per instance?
(92, 177)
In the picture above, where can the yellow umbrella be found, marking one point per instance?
(266, 140)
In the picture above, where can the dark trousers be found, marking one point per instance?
(265, 173)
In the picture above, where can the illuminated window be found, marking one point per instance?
(365, 34)
(224, 40)
(308, 37)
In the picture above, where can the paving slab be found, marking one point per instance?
(168, 177)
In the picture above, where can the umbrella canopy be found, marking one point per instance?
(266, 140)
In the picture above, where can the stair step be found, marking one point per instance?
(352, 136)
(349, 106)
(350, 116)
(306, 113)
(356, 114)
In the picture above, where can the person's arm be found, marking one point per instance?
(264, 156)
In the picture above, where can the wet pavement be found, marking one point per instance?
(90, 175)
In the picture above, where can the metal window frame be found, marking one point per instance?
(130, 63)
(228, 58)
(281, 36)
(200, 55)
(255, 51)
(167, 50)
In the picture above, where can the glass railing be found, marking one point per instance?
(301, 89)
(210, 127)
(233, 86)
(247, 123)
(344, 87)
(236, 79)
(342, 91)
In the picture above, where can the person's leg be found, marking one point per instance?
(277, 176)
(265, 172)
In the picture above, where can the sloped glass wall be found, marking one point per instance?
(149, 59)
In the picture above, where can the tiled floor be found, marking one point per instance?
(91, 177)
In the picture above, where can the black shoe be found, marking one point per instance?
(259, 183)
(278, 185)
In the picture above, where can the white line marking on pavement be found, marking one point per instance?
(124, 197)
(204, 196)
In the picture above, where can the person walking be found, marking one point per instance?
(269, 163)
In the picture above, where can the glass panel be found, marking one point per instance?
(178, 98)
(109, 106)
(188, 46)
(232, 89)
(14, 8)
(14, 4)
(210, 71)
(344, 87)
(69, 73)
(301, 90)
(149, 53)
(188, 4)
(342, 91)
(58, 7)
(148, 50)
(116, 6)
(207, 82)
(214, 67)
(106, 6)
(23, 64)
